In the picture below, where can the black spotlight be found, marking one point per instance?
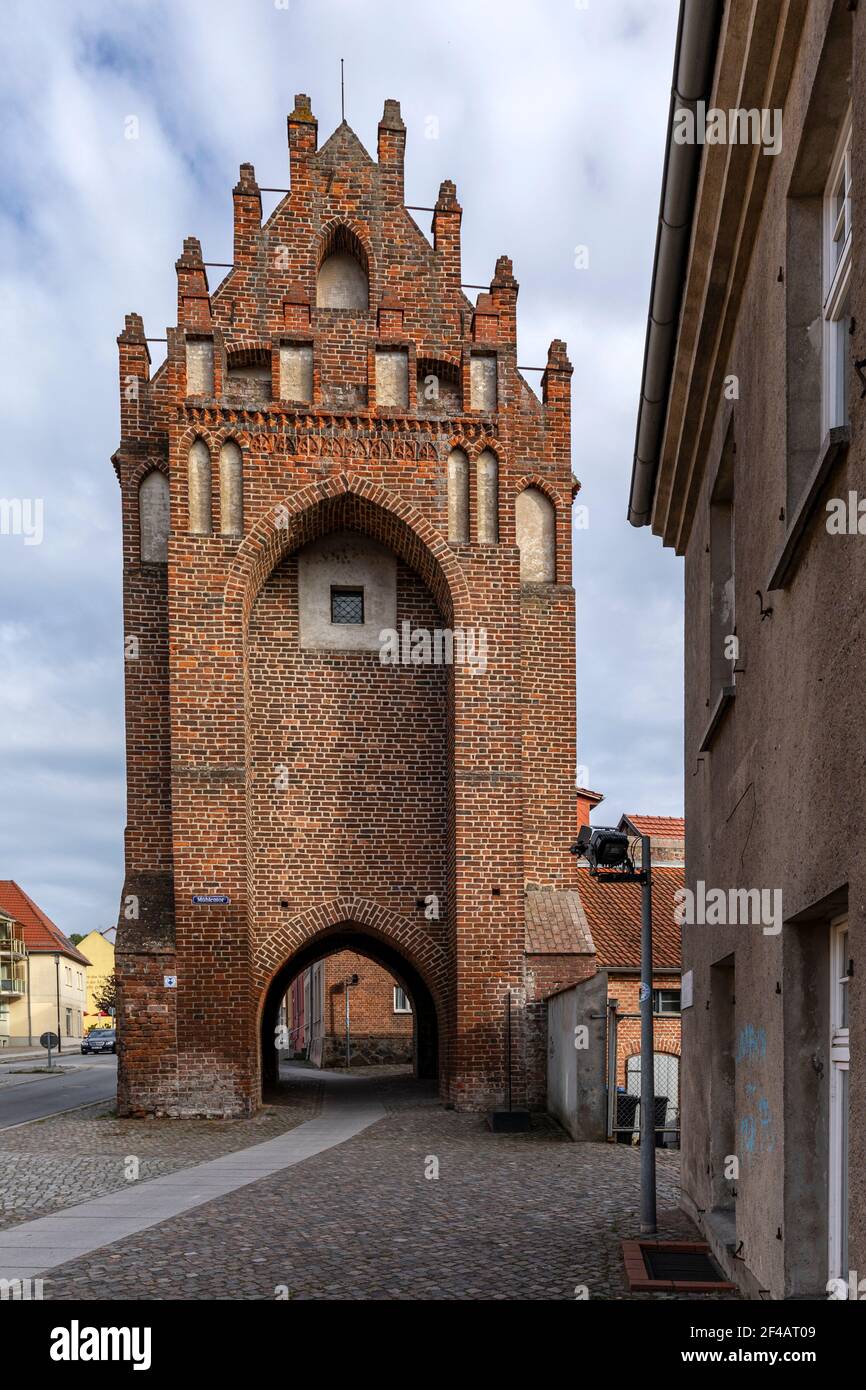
(602, 846)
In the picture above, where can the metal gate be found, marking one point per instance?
(623, 1102)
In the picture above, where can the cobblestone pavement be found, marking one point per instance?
(66, 1159)
(508, 1217)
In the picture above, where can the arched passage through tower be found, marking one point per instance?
(349, 770)
(352, 936)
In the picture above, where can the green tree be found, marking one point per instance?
(105, 993)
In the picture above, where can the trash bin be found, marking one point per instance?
(626, 1111)
(628, 1117)
(660, 1115)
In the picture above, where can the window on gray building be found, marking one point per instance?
(837, 258)
(723, 631)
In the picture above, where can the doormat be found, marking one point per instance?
(672, 1266)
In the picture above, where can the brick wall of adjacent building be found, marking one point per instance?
(379, 1033)
(666, 1029)
(399, 779)
(371, 1002)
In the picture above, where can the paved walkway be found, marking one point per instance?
(386, 1196)
(36, 1247)
(69, 1158)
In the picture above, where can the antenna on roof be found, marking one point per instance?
(342, 93)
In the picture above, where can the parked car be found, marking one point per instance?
(100, 1040)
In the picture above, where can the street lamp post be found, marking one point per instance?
(606, 850)
(57, 984)
(349, 982)
(647, 1047)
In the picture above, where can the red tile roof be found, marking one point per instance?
(672, 827)
(613, 913)
(40, 933)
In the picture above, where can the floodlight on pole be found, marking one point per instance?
(603, 847)
(607, 852)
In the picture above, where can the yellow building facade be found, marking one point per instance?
(98, 947)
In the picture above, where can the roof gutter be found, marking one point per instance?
(694, 65)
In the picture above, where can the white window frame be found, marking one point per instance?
(659, 990)
(836, 284)
(839, 1063)
(406, 1007)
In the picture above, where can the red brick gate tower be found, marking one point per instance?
(339, 445)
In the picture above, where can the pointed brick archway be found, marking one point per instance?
(351, 501)
(418, 962)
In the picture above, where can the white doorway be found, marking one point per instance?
(839, 1059)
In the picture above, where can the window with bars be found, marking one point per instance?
(347, 605)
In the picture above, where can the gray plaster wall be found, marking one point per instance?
(482, 381)
(154, 517)
(577, 1075)
(777, 801)
(487, 485)
(536, 536)
(200, 500)
(231, 489)
(458, 496)
(296, 372)
(199, 368)
(392, 377)
(346, 559)
(342, 283)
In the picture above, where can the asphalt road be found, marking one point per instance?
(24, 1097)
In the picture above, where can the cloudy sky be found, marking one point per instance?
(549, 116)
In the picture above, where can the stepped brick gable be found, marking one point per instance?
(339, 444)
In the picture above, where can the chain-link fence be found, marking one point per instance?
(623, 1109)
